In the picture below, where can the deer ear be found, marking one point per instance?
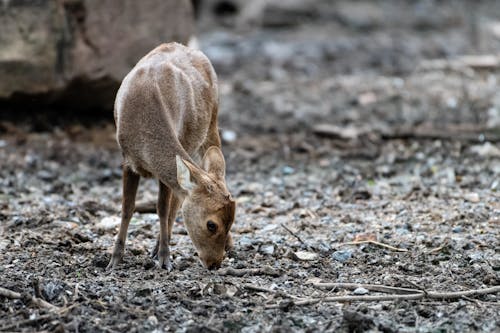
(213, 162)
(184, 174)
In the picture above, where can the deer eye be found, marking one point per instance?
(211, 226)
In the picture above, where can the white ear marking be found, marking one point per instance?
(183, 174)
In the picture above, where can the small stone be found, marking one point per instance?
(342, 255)
(108, 223)
(472, 197)
(487, 150)
(367, 98)
(288, 170)
(269, 227)
(451, 102)
(46, 175)
(267, 249)
(52, 290)
(228, 136)
(152, 320)
(143, 292)
(360, 291)
(4, 244)
(305, 256)
(245, 241)
(231, 291)
(66, 224)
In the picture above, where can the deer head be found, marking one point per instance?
(208, 208)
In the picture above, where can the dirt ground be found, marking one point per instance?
(356, 152)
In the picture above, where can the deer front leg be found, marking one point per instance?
(172, 214)
(162, 208)
(130, 184)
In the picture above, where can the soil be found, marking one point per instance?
(321, 113)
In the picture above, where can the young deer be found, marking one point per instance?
(166, 119)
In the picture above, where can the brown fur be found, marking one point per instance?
(166, 118)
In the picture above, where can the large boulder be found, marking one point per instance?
(76, 52)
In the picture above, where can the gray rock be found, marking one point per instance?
(342, 255)
(68, 52)
(267, 249)
(360, 291)
(52, 290)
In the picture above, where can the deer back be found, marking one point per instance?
(166, 106)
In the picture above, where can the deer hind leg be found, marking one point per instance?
(163, 209)
(130, 184)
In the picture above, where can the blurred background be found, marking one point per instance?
(282, 64)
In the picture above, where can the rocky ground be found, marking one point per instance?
(356, 153)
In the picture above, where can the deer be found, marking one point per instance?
(166, 128)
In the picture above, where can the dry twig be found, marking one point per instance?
(50, 315)
(35, 300)
(372, 287)
(293, 233)
(145, 207)
(455, 133)
(265, 270)
(414, 296)
(376, 243)
(439, 248)
(271, 291)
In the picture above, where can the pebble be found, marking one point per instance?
(66, 224)
(245, 241)
(52, 290)
(229, 136)
(472, 197)
(108, 223)
(46, 175)
(360, 291)
(267, 249)
(288, 170)
(269, 227)
(305, 256)
(342, 255)
(152, 320)
(486, 150)
(4, 244)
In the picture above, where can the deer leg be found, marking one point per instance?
(130, 184)
(172, 214)
(163, 209)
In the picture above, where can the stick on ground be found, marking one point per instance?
(266, 270)
(35, 300)
(293, 233)
(415, 296)
(376, 243)
(145, 207)
(371, 287)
